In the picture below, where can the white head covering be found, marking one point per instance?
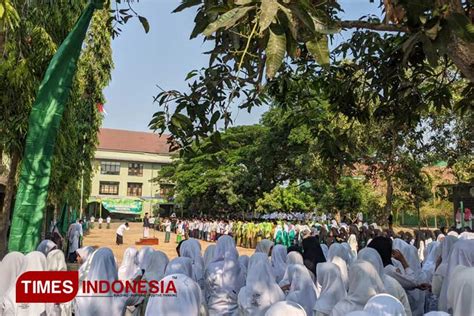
(261, 290)
(437, 313)
(466, 235)
(285, 308)
(302, 289)
(33, 261)
(85, 252)
(446, 248)
(358, 313)
(186, 302)
(338, 250)
(46, 246)
(364, 282)
(279, 255)
(209, 254)
(352, 241)
(192, 249)
(440, 237)
(143, 256)
(244, 262)
(264, 246)
(325, 250)
(55, 261)
(156, 266)
(341, 264)
(180, 265)
(384, 305)
(294, 257)
(129, 268)
(332, 287)
(453, 233)
(432, 254)
(461, 290)
(10, 268)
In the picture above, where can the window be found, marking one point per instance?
(110, 167)
(135, 169)
(109, 188)
(134, 189)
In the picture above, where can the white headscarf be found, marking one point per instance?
(46, 246)
(55, 261)
(338, 250)
(264, 246)
(186, 302)
(285, 308)
(364, 282)
(129, 268)
(461, 254)
(352, 241)
(342, 265)
(332, 287)
(180, 265)
(293, 257)
(325, 250)
(302, 289)
(279, 255)
(33, 261)
(384, 305)
(209, 254)
(85, 252)
(461, 290)
(244, 262)
(446, 248)
(432, 254)
(261, 290)
(143, 256)
(466, 235)
(10, 268)
(156, 266)
(192, 249)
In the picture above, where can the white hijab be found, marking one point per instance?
(209, 254)
(293, 257)
(244, 263)
(302, 289)
(143, 256)
(180, 265)
(461, 290)
(279, 255)
(285, 308)
(85, 252)
(446, 248)
(338, 250)
(156, 266)
(432, 254)
(332, 287)
(342, 265)
(55, 261)
(364, 282)
(186, 302)
(261, 290)
(192, 249)
(264, 246)
(46, 246)
(325, 250)
(10, 268)
(33, 261)
(384, 305)
(129, 268)
(352, 241)
(466, 235)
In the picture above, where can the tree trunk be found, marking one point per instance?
(462, 54)
(7, 203)
(388, 197)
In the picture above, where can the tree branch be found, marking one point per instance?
(373, 26)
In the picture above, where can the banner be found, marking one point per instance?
(43, 126)
(123, 206)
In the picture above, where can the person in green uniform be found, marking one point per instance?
(291, 236)
(278, 237)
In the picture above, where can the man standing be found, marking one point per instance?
(101, 220)
(167, 225)
(146, 226)
(108, 221)
(74, 234)
(120, 230)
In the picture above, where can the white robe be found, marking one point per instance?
(440, 273)
(180, 265)
(286, 308)
(460, 292)
(279, 255)
(338, 250)
(264, 246)
(56, 262)
(129, 268)
(10, 268)
(143, 256)
(261, 290)
(341, 264)
(302, 290)
(209, 254)
(364, 282)
(332, 287)
(384, 305)
(46, 246)
(192, 249)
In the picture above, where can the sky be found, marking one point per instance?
(164, 56)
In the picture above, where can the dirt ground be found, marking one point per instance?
(106, 238)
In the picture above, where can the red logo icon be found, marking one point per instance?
(47, 286)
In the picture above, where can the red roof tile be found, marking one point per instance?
(131, 141)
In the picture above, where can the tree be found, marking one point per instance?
(290, 199)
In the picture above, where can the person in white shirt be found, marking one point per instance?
(167, 225)
(92, 220)
(108, 221)
(120, 230)
(101, 220)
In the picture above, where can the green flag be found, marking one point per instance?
(43, 128)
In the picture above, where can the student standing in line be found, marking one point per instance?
(120, 230)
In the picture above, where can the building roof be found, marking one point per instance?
(131, 141)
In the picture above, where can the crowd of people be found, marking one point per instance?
(341, 270)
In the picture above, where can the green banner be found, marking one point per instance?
(43, 126)
(123, 206)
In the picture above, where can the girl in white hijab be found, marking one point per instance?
(155, 270)
(461, 254)
(352, 241)
(209, 254)
(325, 250)
(338, 250)
(143, 256)
(192, 249)
(364, 282)
(293, 257)
(56, 262)
(244, 263)
(10, 268)
(302, 288)
(129, 268)
(264, 246)
(279, 255)
(285, 308)
(102, 266)
(460, 291)
(384, 305)
(440, 273)
(180, 265)
(34, 261)
(187, 300)
(392, 286)
(46, 246)
(223, 278)
(341, 264)
(261, 290)
(332, 288)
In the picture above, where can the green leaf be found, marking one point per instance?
(2, 10)
(275, 51)
(268, 11)
(215, 117)
(186, 4)
(145, 24)
(320, 50)
(227, 20)
(191, 74)
(324, 28)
